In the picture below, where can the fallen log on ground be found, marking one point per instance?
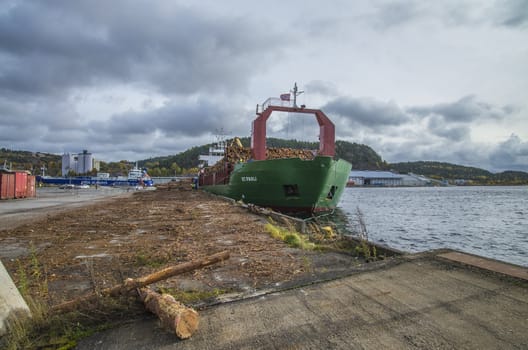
(173, 315)
(131, 285)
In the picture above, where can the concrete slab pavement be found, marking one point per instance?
(19, 211)
(51, 199)
(423, 303)
(487, 264)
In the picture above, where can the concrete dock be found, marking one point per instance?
(17, 212)
(431, 300)
(21, 211)
(434, 300)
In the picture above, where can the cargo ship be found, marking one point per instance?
(136, 177)
(308, 184)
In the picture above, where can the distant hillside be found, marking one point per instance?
(439, 170)
(361, 156)
(32, 161)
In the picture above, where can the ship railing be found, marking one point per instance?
(215, 178)
(273, 101)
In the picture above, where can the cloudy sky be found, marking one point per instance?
(415, 80)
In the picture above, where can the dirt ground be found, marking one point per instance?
(98, 245)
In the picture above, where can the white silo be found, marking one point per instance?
(84, 162)
(68, 163)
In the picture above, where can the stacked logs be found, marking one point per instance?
(236, 153)
(274, 153)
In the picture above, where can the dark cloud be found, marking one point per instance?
(508, 13)
(367, 112)
(52, 54)
(465, 110)
(47, 113)
(511, 13)
(451, 131)
(192, 118)
(435, 149)
(324, 88)
(511, 154)
(48, 47)
(440, 132)
(95, 74)
(393, 14)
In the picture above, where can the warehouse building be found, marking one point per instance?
(374, 178)
(386, 179)
(415, 180)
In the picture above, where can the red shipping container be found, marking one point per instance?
(20, 184)
(31, 189)
(7, 186)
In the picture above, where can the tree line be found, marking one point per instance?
(452, 172)
(361, 156)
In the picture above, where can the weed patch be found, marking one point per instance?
(154, 261)
(364, 248)
(45, 330)
(289, 236)
(193, 296)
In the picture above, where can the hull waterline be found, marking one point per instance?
(288, 185)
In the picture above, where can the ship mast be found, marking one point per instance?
(258, 133)
(295, 93)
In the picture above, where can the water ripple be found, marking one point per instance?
(488, 221)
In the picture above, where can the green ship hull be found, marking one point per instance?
(288, 185)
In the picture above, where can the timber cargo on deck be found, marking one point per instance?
(289, 181)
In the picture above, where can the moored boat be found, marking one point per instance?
(136, 177)
(305, 185)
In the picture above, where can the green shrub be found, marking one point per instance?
(291, 238)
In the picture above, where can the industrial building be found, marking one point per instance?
(80, 163)
(374, 178)
(417, 180)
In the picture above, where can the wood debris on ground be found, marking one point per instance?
(172, 314)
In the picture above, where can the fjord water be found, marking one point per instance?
(486, 221)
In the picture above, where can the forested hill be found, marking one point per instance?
(361, 156)
(32, 161)
(439, 170)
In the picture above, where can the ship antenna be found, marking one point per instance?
(295, 94)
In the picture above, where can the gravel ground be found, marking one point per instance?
(88, 240)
